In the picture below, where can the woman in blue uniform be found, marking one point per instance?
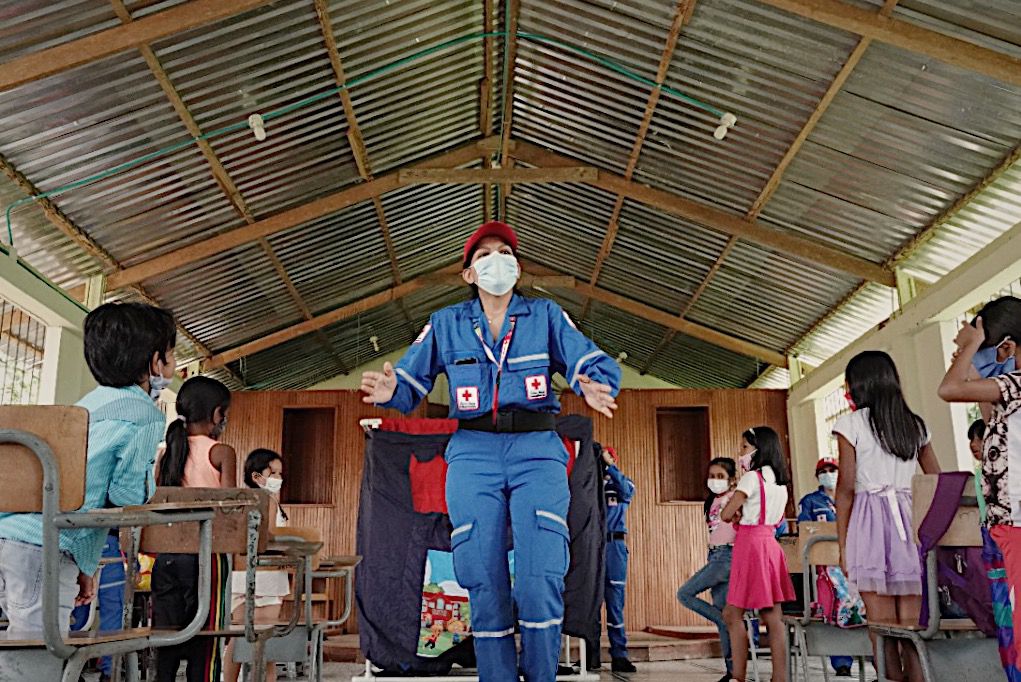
(507, 466)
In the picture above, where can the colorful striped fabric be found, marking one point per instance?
(1002, 611)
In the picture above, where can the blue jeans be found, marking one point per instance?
(109, 599)
(715, 577)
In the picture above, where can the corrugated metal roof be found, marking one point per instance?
(228, 299)
(696, 364)
(41, 244)
(659, 259)
(335, 259)
(258, 62)
(994, 211)
(995, 24)
(430, 223)
(420, 108)
(561, 225)
(768, 68)
(905, 138)
(768, 298)
(31, 26)
(566, 102)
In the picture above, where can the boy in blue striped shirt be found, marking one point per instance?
(129, 347)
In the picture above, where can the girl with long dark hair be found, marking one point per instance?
(758, 576)
(194, 458)
(882, 443)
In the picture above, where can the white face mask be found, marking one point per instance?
(273, 485)
(718, 486)
(496, 273)
(157, 382)
(828, 480)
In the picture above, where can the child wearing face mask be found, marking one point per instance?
(821, 506)
(129, 349)
(715, 575)
(263, 469)
(194, 458)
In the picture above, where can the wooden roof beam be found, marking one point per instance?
(511, 47)
(716, 219)
(448, 276)
(781, 168)
(222, 177)
(907, 36)
(96, 46)
(503, 176)
(682, 15)
(486, 103)
(291, 218)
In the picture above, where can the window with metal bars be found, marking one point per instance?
(834, 406)
(22, 340)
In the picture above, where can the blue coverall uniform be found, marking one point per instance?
(819, 506)
(619, 490)
(500, 479)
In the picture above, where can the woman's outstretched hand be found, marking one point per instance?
(598, 396)
(379, 387)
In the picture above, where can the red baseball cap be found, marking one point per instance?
(493, 228)
(612, 451)
(826, 462)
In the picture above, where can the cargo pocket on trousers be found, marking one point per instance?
(464, 544)
(550, 556)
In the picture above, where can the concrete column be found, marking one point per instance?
(922, 357)
(65, 376)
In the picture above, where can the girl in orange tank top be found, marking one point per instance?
(194, 458)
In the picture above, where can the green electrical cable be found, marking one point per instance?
(375, 73)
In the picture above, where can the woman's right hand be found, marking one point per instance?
(379, 387)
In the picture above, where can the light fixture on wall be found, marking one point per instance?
(374, 340)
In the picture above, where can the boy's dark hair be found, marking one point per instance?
(874, 383)
(196, 403)
(1001, 319)
(727, 464)
(977, 430)
(121, 338)
(769, 452)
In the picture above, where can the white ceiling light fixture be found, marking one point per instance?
(258, 126)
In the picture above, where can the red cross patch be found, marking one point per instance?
(468, 398)
(535, 387)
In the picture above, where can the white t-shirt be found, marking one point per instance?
(776, 498)
(875, 467)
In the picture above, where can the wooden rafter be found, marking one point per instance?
(110, 41)
(682, 15)
(222, 177)
(289, 218)
(443, 277)
(471, 176)
(749, 230)
(781, 168)
(357, 143)
(907, 36)
(486, 103)
(68, 228)
(511, 46)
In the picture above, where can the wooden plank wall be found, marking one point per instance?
(668, 541)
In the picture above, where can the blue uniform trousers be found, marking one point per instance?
(616, 581)
(518, 482)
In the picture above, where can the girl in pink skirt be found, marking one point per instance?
(881, 444)
(758, 573)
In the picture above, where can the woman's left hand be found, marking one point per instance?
(598, 396)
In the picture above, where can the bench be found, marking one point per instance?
(44, 450)
(817, 546)
(950, 650)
